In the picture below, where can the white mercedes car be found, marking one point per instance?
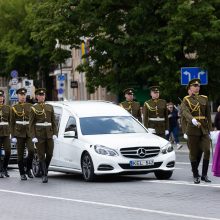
(98, 137)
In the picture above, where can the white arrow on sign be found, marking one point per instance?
(189, 75)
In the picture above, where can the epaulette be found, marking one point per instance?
(35, 104)
(204, 96)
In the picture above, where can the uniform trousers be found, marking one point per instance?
(196, 144)
(5, 142)
(45, 149)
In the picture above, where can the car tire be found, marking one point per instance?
(87, 168)
(36, 166)
(163, 175)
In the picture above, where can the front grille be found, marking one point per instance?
(128, 167)
(140, 152)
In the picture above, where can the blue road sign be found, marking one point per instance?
(61, 77)
(60, 91)
(14, 73)
(189, 73)
(13, 95)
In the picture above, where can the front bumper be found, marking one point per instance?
(113, 165)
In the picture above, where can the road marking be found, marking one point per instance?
(182, 183)
(109, 205)
(187, 163)
(184, 163)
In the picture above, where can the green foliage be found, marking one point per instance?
(130, 42)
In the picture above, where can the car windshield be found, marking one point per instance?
(110, 125)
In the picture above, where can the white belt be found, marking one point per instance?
(156, 119)
(22, 122)
(3, 123)
(43, 124)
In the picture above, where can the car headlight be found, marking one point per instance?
(105, 150)
(167, 148)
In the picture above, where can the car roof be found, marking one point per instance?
(91, 108)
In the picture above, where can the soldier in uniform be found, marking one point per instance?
(20, 132)
(130, 105)
(155, 113)
(43, 131)
(5, 112)
(195, 109)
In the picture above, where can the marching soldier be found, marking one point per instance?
(20, 132)
(5, 112)
(43, 131)
(155, 114)
(130, 105)
(195, 109)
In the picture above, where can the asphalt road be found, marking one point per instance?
(113, 197)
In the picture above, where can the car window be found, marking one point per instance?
(110, 125)
(71, 124)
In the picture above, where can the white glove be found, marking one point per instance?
(54, 137)
(166, 132)
(195, 122)
(14, 140)
(34, 140)
(185, 136)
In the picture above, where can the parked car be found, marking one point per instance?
(14, 156)
(98, 137)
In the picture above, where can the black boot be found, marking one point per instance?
(1, 169)
(44, 172)
(29, 167)
(5, 165)
(21, 170)
(205, 167)
(196, 178)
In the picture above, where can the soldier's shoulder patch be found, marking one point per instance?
(8, 106)
(186, 97)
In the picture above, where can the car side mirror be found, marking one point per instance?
(70, 134)
(151, 130)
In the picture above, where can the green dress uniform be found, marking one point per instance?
(20, 131)
(196, 107)
(43, 127)
(133, 108)
(5, 112)
(155, 115)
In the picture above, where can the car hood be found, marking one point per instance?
(117, 141)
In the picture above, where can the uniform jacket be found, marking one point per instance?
(196, 106)
(133, 108)
(155, 115)
(20, 113)
(5, 112)
(40, 113)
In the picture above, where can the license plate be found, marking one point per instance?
(135, 163)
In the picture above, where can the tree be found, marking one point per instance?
(19, 50)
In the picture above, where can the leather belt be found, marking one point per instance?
(44, 124)
(200, 117)
(22, 122)
(156, 119)
(3, 123)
